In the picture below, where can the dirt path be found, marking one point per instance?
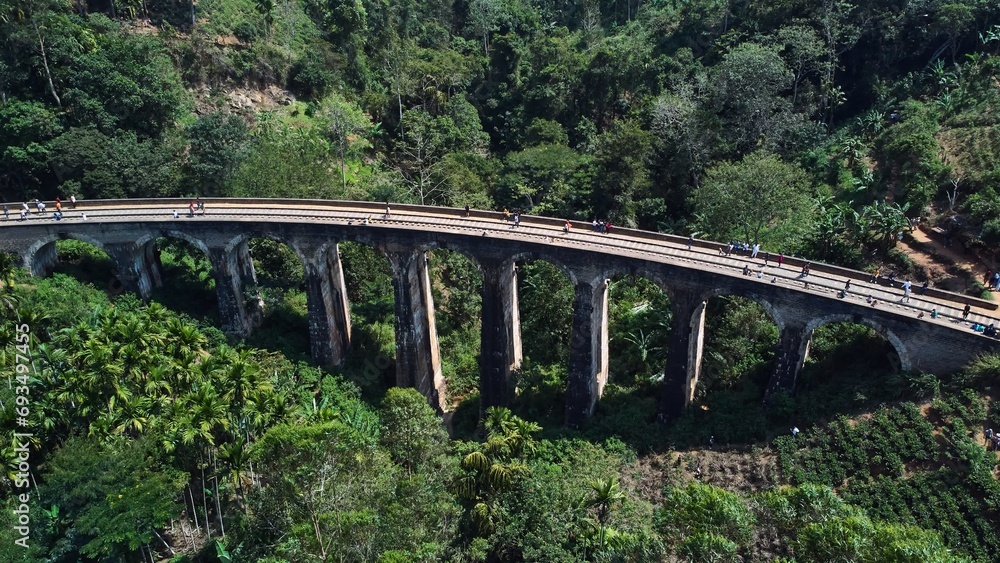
(948, 268)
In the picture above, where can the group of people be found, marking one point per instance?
(992, 439)
(992, 280)
(601, 225)
(508, 216)
(40, 207)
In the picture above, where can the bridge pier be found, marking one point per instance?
(418, 363)
(240, 304)
(137, 267)
(329, 312)
(684, 352)
(588, 351)
(500, 342)
(793, 349)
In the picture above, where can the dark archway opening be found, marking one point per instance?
(848, 370)
(88, 264)
(188, 280)
(737, 362)
(639, 317)
(281, 284)
(457, 283)
(545, 308)
(371, 363)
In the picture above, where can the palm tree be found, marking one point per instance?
(492, 469)
(605, 496)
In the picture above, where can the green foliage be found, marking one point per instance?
(759, 199)
(110, 498)
(704, 519)
(411, 431)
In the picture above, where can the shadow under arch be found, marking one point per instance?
(545, 294)
(457, 281)
(42, 256)
(368, 288)
(711, 339)
(905, 364)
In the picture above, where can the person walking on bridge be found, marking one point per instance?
(965, 312)
(387, 210)
(906, 292)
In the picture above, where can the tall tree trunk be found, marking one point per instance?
(45, 60)
(192, 14)
(114, 13)
(218, 503)
(194, 507)
(204, 503)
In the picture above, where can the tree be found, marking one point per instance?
(606, 494)
(621, 171)
(347, 126)
(492, 468)
(747, 92)
(218, 144)
(759, 199)
(411, 430)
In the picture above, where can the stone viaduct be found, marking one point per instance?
(128, 230)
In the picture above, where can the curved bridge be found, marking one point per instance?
(690, 272)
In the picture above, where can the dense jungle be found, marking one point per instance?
(865, 134)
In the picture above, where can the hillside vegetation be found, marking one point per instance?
(816, 128)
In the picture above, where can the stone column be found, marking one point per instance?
(588, 352)
(793, 349)
(132, 267)
(240, 307)
(687, 336)
(500, 343)
(329, 312)
(151, 257)
(418, 363)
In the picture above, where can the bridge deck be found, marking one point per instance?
(823, 280)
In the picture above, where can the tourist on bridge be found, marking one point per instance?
(756, 249)
(6, 213)
(72, 200)
(506, 214)
(191, 209)
(923, 288)
(874, 278)
(387, 210)
(567, 226)
(767, 258)
(690, 241)
(965, 312)
(906, 292)
(781, 258)
(466, 209)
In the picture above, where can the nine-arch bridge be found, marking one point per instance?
(127, 231)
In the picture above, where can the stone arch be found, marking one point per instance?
(533, 255)
(243, 238)
(170, 233)
(905, 362)
(695, 306)
(41, 255)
